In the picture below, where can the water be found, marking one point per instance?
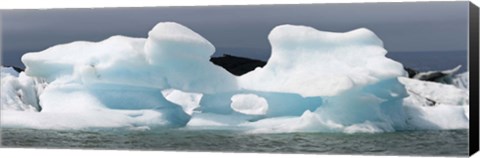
(427, 143)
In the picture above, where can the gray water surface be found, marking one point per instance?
(428, 143)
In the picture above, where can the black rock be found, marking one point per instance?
(237, 65)
(411, 72)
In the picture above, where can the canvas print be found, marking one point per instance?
(358, 79)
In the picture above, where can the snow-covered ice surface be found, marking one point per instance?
(440, 93)
(19, 92)
(310, 62)
(461, 80)
(315, 81)
(449, 110)
(9, 71)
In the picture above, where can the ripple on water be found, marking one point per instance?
(431, 143)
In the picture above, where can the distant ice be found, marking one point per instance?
(462, 80)
(436, 92)
(433, 105)
(9, 71)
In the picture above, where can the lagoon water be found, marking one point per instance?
(427, 143)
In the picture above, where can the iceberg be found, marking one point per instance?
(315, 81)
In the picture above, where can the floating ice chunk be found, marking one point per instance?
(250, 104)
(316, 63)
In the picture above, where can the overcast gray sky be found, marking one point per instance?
(241, 30)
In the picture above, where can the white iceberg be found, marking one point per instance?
(315, 81)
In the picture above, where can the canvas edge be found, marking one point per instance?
(474, 78)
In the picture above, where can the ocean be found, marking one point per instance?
(420, 143)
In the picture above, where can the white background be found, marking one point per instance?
(53, 153)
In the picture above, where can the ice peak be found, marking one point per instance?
(170, 39)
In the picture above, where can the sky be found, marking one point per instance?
(241, 30)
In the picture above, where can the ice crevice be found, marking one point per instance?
(315, 81)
